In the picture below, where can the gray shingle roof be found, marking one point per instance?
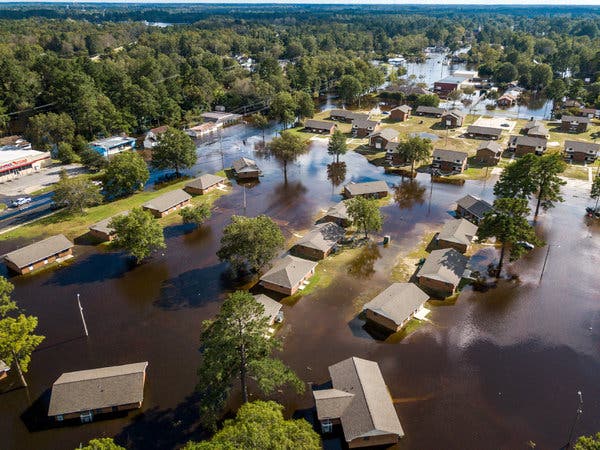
(370, 411)
(369, 187)
(430, 110)
(539, 130)
(168, 200)
(347, 114)
(245, 165)
(474, 205)
(318, 124)
(532, 124)
(460, 231)
(446, 265)
(364, 122)
(271, 306)
(490, 145)
(339, 210)
(205, 181)
(39, 251)
(449, 155)
(486, 131)
(582, 147)
(105, 387)
(456, 113)
(386, 133)
(103, 227)
(528, 141)
(288, 271)
(404, 108)
(397, 301)
(578, 119)
(323, 236)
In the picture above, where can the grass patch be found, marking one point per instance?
(412, 326)
(577, 172)
(407, 264)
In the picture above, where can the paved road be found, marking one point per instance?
(39, 207)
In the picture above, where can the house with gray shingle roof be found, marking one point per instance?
(449, 161)
(522, 145)
(580, 151)
(478, 132)
(400, 113)
(204, 183)
(489, 152)
(431, 111)
(272, 308)
(539, 131)
(472, 208)
(87, 393)
(167, 203)
(574, 124)
(319, 126)
(442, 271)
(453, 118)
(362, 126)
(102, 230)
(338, 214)
(288, 275)
(457, 234)
(360, 402)
(320, 241)
(245, 168)
(345, 115)
(39, 254)
(369, 189)
(395, 306)
(380, 139)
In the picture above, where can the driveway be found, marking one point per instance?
(38, 180)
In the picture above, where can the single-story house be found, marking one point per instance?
(489, 152)
(539, 131)
(152, 136)
(380, 139)
(203, 129)
(369, 189)
(319, 126)
(587, 112)
(344, 115)
(319, 242)
(457, 234)
(442, 271)
(395, 306)
(337, 214)
(477, 132)
(245, 168)
(506, 101)
(472, 208)
(111, 146)
(41, 253)
(449, 160)
(533, 123)
(580, 151)
(362, 127)
(221, 118)
(574, 124)
(204, 184)
(4, 369)
(360, 402)
(446, 85)
(288, 274)
(87, 393)
(453, 118)
(400, 113)
(167, 203)
(430, 111)
(102, 231)
(273, 311)
(522, 145)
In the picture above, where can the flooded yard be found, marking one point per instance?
(496, 369)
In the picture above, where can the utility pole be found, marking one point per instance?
(244, 188)
(546, 260)
(221, 149)
(577, 414)
(82, 317)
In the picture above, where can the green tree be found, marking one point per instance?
(588, 442)
(365, 214)
(248, 243)
(287, 148)
(595, 191)
(516, 180)
(260, 425)
(76, 193)
(260, 122)
(413, 150)
(305, 106)
(556, 90)
(541, 76)
(350, 89)
(507, 222)
(427, 100)
(237, 345)
(92, 159)
(548, 183)
(283, 108)
(126, 173)
(505, 73)
(138, 233)
(48, 130)
(174, 150)
(101, 444)
(65, 153)
(196, 214)
(337, 145)
(4, 117)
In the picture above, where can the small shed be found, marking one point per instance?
(457, 234)
(204, 184)
(288, 275)
(442, 271)
(489, 153)
(39, 254)
(338, 214)
(400, 113)
(369, 189)
(245, 168)
(320, 241)
(167, 203)
(395, 306)
(272, 308)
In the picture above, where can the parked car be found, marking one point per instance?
(525, 244)
(20, 202)
(592, 212)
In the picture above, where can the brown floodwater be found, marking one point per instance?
(498, 369)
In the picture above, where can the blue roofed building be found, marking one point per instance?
(113, 145)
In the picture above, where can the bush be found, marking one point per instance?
(66, 154)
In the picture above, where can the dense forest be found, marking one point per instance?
(100, 69)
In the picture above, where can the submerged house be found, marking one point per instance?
(204, 184)
(152, 136)
(338, 214)
(360, 402)
(288, 275)
(39, 254)
(88, 393)
(272, 308)
(395, 306)
(457, 234)
(320, 241)
(369, 189)
(442, 271)
(472, 208)
(167, 203)
(245, 169)
(113, 145)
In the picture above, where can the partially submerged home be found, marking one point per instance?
(579, 151)
(522, 145)
(337, 214)
(221, 118)
(472, 208)
(201, 130)
(449, 161)
(430, 111)
(288, 274)
(395, 306)
(319, 126)
(489, 153)
(574, 124)
(4, 369)
(362, 127)
(506, 101)
(39, 254)
(360, 402)
(479, 132)
(152, 136)
(369, 189)
(102, 230)
(446, 85)
(320, 241)
(87, 393)
(272, 308)
(457, 234)
(400, 113)
(380, 140)
(453, 118)
(167, 203)
(245, 168)
(204, 184)
(442, 271)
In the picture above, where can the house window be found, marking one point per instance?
(60, 418)
(86, 417)
(326, 426)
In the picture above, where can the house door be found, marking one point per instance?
(86, 417)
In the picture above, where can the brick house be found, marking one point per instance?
(522, 145)
(442, 271)
(574, 124)
(430, 111)
(39, 254)
(363, 127)
(453, 118)
(457, 234)
(288, 275)
(489, 153)
(319, 126)
(380, 139)
(579, 151)
(489, 133)
(400, 113)
(449, 161)
(167, 203)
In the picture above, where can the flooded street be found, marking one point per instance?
(495, 370)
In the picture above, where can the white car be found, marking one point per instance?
(21, 201)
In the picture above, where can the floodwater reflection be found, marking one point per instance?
(363, 265)
(409, 193)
